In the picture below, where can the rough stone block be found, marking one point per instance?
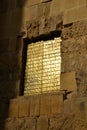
(42, 123)
(68, 81)
(33, 30)
(55, 22)
(27, 124)
(32, 124)
(67, 4)
(69, 105)
(35, 106)
(55, 123)
(81, 127)
(56, 7)
(45, 106)
(11, 124)
(80, 108)
(13, 108)
(75, 14)
(56, 104)
(24, 107)
(32, 13)
(44, 9)
(44, 26)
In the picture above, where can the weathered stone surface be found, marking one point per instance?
(68, 81)
(56, 104)
(32, 124)
(80, 124)
(69, 105)
(33, 13)
(44, 10)
(74, 47)
(81, 108)
(44, 26)
(13, 108)
(75, 30)
(42, 123)
(68, 4)
(27, 124)
(69, 123)
(78, 13)
(80, 111)
(56, 7)
(56, 22)
(11, 124)
(45, 105)
(57, 122)
(24, 107)
(38, 27)
(35, 106)
(33, 29)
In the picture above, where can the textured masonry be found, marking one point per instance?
(21, 19)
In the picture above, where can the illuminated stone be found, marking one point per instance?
(43, 67)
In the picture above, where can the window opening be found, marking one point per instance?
(43, 67)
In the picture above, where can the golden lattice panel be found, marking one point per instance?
(43, 67)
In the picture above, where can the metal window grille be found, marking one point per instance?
(43, 67)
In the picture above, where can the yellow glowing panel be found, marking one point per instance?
(43, 67)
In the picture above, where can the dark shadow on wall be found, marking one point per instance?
(10, 55)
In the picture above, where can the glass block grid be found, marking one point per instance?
(43, 67)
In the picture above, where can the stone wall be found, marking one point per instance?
(20, 19)
(45, 112)
(74, 48)
(30, 19)
(31, 112)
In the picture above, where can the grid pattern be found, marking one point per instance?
(43, 67)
